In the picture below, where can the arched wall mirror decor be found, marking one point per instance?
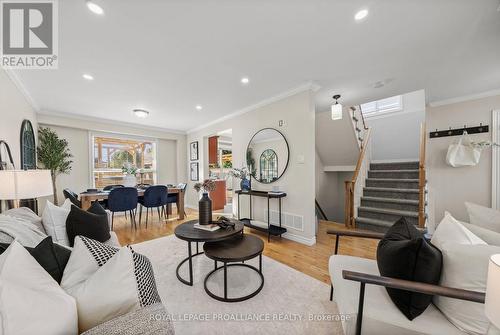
(28, 146)
(267, 155)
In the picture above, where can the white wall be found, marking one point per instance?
(336, 141)
(396, 136)
(171, 153)
(14, 108)
(298, 180)
(450, 187)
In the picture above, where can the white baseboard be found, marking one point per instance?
(300, 239)
(191, 206)
(402, 160)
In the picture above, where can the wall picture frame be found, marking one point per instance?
(194, 171)
(193, 151)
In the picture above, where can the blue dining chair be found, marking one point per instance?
(123, 199)
(104, 203)
(172, 198)
(154, 197)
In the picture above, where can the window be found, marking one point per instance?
(268, 166)
(110, 154)
(384, 106)
(28, 148)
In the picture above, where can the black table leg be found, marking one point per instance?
(225, 280)
(189, 259)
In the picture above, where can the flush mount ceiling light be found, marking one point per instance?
(94, 7)
(87, 76)
(141, 113)
(361, 14)
(199, 107)
(336, 108)
(245, 80)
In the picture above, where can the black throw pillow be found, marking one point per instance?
(51, 256)
(403, 253)
(92, 223)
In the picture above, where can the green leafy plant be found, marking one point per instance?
(128, 168)
(54, 155)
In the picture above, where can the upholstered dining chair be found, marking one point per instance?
(172, 198)
(123, 199)
(154, 197)
(73, 197)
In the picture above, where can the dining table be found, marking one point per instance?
(87, 198)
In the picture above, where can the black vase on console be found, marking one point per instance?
(205, 209)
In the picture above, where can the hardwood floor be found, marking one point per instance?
(311, 260)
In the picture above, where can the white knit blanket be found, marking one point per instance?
(23, 231)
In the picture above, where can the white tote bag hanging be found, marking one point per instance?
(463, 152)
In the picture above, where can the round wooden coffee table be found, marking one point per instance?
(237, 249)
(188, 233)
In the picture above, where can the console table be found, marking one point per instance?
(271, 229)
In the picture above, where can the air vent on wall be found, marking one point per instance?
(288, 220)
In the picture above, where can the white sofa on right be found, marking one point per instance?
(380, 315)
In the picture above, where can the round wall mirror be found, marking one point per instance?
(267, 155)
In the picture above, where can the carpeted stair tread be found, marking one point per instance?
(374, 222)
(392, 200)
(388, 211)
(394, 179)
(394, 166)
(391, 189)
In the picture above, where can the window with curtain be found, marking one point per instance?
(112, 153)
(383, 106)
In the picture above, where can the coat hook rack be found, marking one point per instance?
(459, 131)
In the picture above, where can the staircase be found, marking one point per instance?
(391, 191)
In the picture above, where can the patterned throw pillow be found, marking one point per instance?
(107, 282)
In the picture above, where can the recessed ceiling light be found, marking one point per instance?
(94, 8)
(199, 107)
(141, 113)
(361, 14)
(87, 76)
(245, 80)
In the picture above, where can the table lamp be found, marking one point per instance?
(24, 184)
(492, 302)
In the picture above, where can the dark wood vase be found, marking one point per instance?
(205, 209)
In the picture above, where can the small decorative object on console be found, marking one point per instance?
(244, 175)
(205, 203)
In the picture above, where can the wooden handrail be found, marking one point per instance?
(350, 184)
(362, 117)
(421, 177)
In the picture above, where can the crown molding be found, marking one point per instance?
(102, 121)
(309, 86)
(464, 98)
(20, 86)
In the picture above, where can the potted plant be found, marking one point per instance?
(54, 155)
(244, 175)
(205, 203)
(130, 171)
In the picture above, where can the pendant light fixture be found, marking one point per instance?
(336, 108)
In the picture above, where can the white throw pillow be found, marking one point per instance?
(107, 282)
(54, 221)
(450, 230)
(465, 267)
(31, 301)
(485, 217)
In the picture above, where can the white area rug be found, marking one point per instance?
(286, 304)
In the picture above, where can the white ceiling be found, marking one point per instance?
(169, 56)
